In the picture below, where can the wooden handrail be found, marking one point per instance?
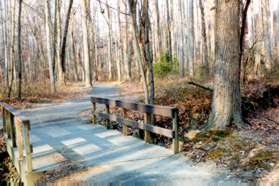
(147, 109)
(16, 129)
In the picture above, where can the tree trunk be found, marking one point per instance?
(64, 41)
(226, 105)
(169, 34)
(127, 48)
(87, 66)
(158, 29)
(60, 74)
(143, 48)
(12, 69)
(265, 11)
(205, 67)
(109, 22)
(191, 33)
(120, 42)
(48, 42)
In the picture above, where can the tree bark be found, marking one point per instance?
(226, 105)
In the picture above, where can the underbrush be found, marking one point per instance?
(251, 152)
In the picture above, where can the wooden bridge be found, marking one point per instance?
(56, 144)
(17, 129)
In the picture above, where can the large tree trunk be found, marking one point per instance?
(48, 42)
(87, 66)
(226, 106)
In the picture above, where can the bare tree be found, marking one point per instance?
(87, 65)
(65, 36)
(143, 48)
(205, 67)
(49, 50)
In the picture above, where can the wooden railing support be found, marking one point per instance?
(175, 141)
(147, 134)
(124, 127)
(94, 119)
(147, 126)
(108, 120)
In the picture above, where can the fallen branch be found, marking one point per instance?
(200, 86)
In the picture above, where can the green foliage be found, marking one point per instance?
(165, 65)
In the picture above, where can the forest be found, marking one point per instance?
(217, 61)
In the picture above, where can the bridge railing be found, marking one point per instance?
(148, 110)
(16, 130)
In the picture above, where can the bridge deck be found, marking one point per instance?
(95, 154)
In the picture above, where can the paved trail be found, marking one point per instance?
(64, 142)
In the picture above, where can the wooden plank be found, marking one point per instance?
(139, 107)
(135, 124)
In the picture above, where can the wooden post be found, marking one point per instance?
(124, 126)
(4, 119)
(27, 145)
(147, 135)
(94, 118)
(19, 139)
(175, 142)
(13, 133)
(108, 120)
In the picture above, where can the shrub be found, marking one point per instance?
(165, 65)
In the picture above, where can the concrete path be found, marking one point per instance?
(68, 149)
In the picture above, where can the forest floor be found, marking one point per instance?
(250, 153)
